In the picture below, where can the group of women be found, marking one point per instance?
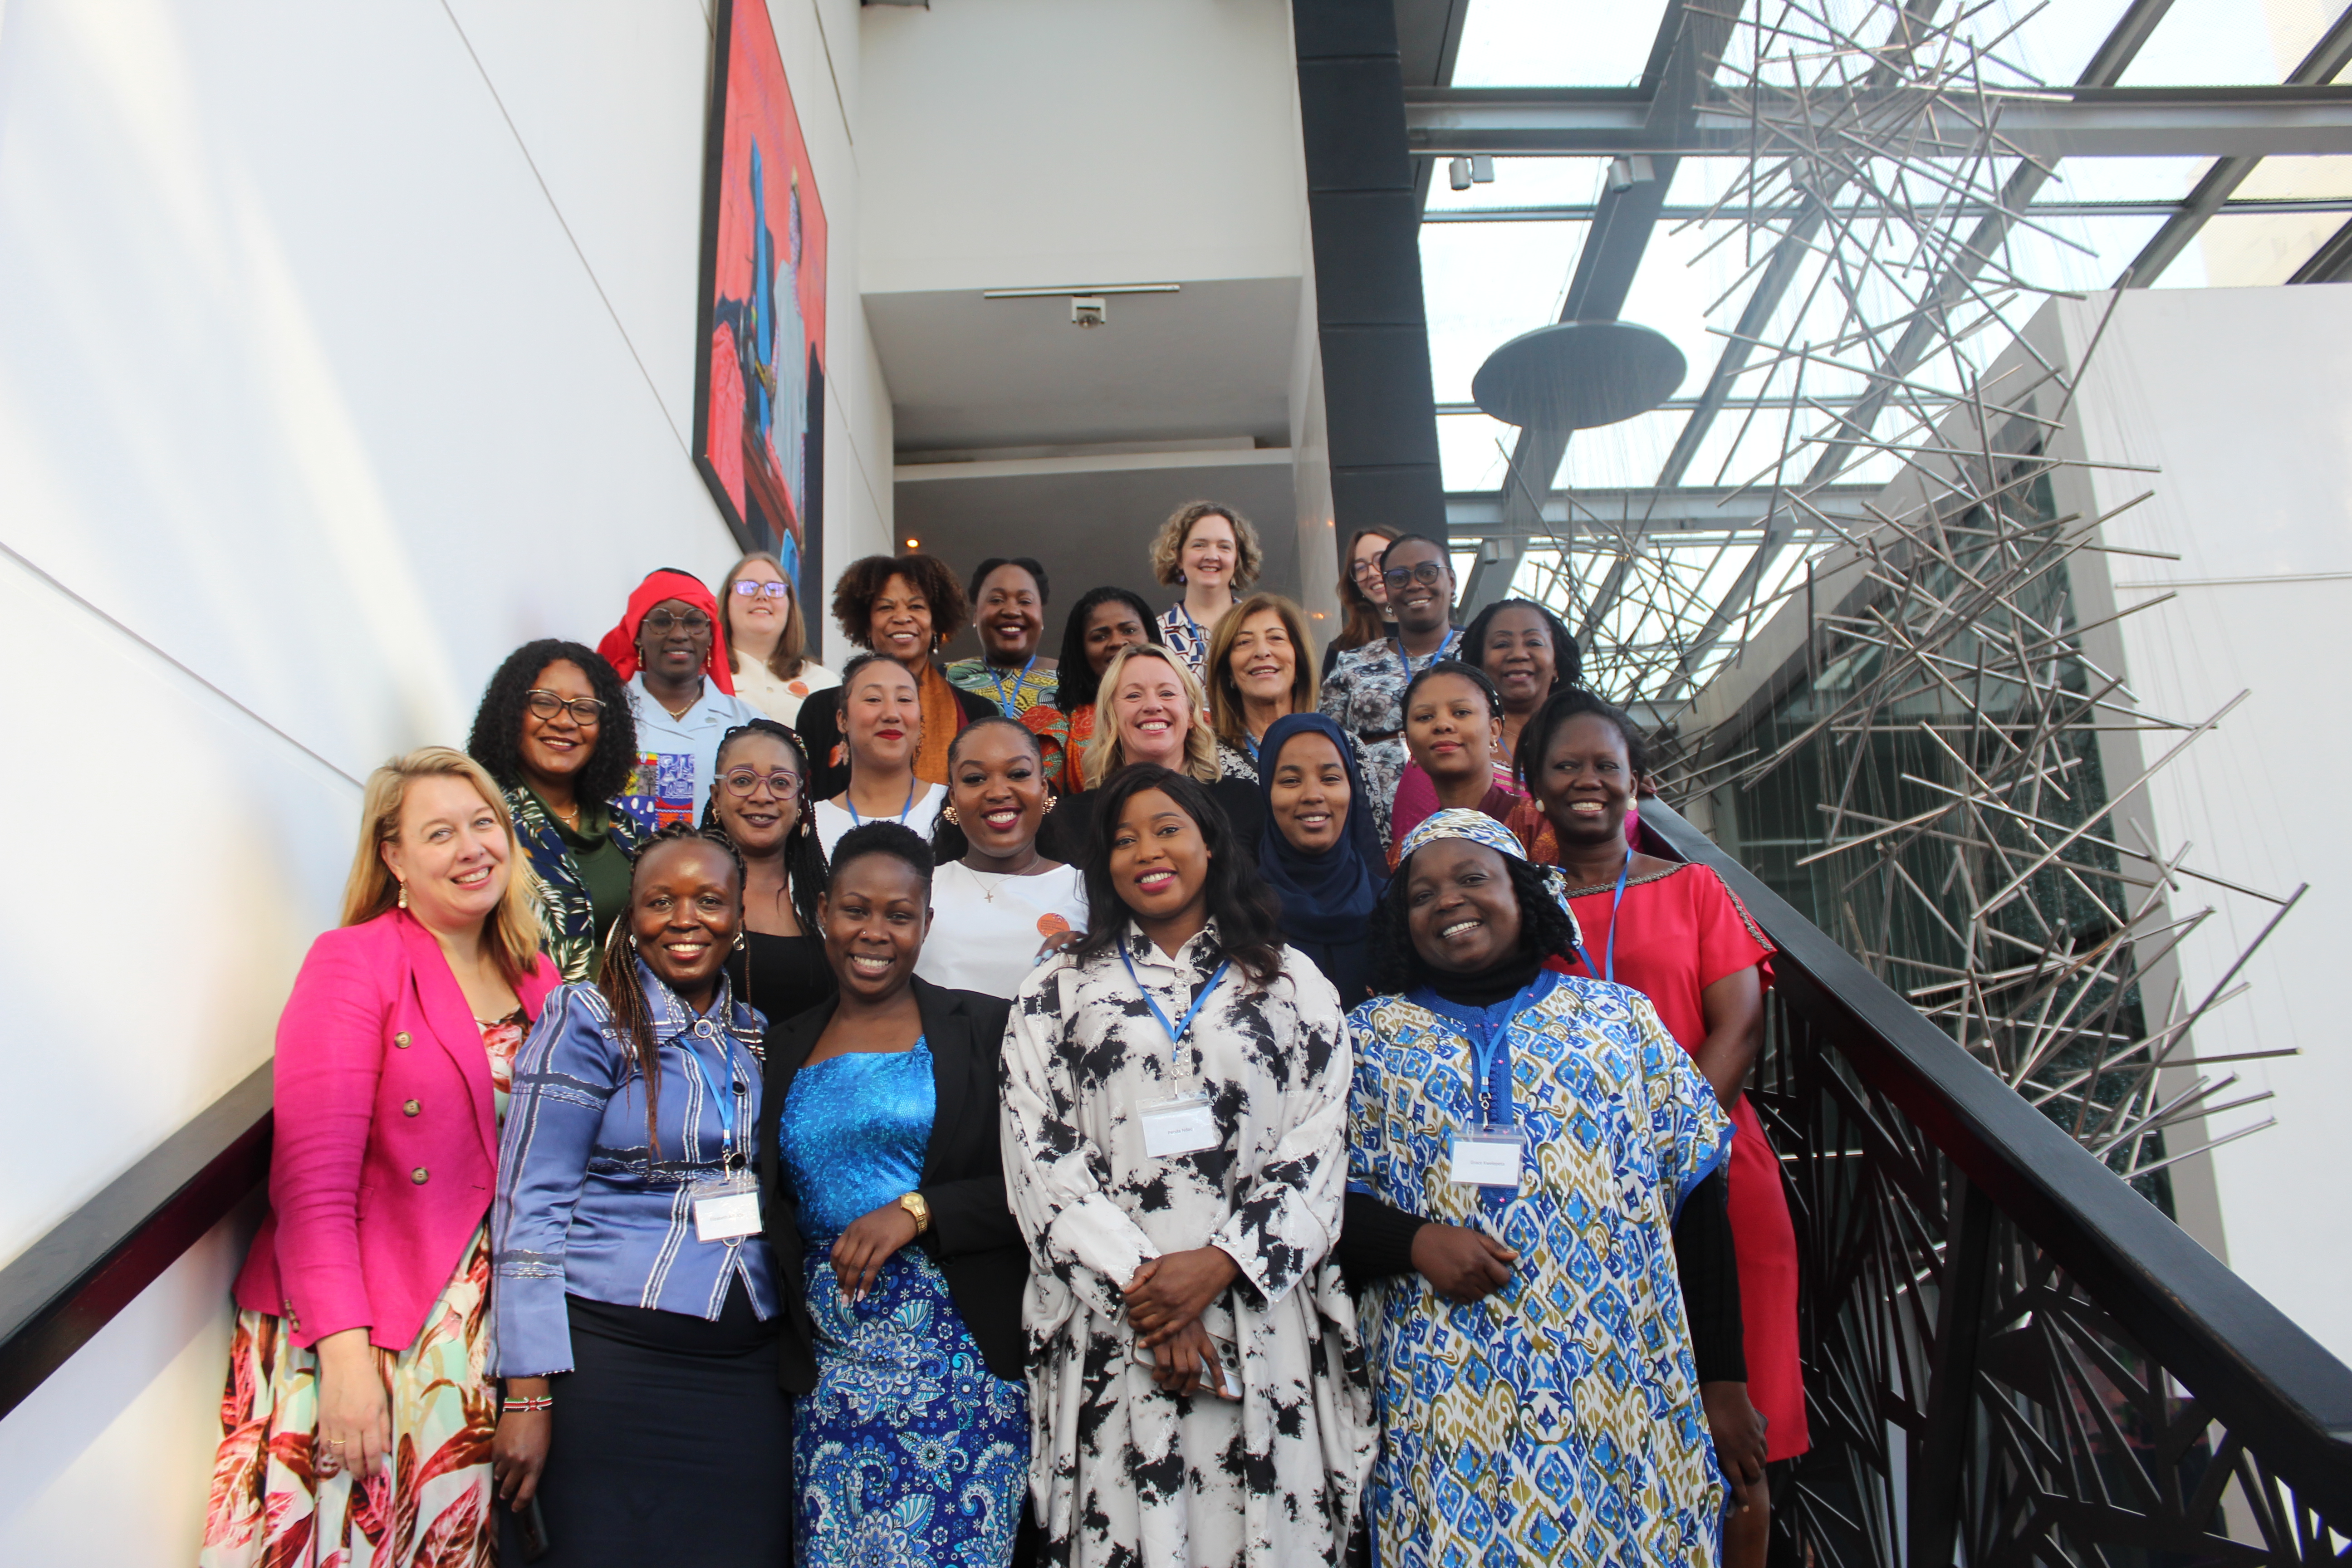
(1171, 1105)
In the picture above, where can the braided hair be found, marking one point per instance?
(1568, 703)
(1545, 929)
(948, 841)
(495, 741)
(616, 975)
(804, 868)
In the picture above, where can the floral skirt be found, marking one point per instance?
(910, 1451)
(271, 1510)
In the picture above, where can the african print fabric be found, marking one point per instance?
(1014, 691)
(1557, 1422)
(567, 917)
(270, 1508)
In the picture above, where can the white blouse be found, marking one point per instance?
(781, 700)
(832, 821)
(986, 929)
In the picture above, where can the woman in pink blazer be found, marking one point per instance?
(363, 1330)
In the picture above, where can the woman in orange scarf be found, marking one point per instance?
(905, 609)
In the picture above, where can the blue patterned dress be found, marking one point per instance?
(1557, 1422)
(908, 1452)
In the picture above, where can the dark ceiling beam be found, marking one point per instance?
(2109, 62)
(2330, 55)
(1429, 40)
(2120, 122)
(2331, 263)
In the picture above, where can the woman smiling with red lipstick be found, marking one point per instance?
(882, 722)
(998, 903)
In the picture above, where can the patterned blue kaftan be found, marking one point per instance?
(908, 1452)
(1557, 1422)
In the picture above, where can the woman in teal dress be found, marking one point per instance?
(886, 1200)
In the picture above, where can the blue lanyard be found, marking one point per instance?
(1489, 1048)
(1175, 1030)
(846, 799)
(1452, 635)
(1616, 903)
(1200, 643)
(997, 682)
(726, 1102)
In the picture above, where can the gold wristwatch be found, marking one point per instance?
(914, 1204)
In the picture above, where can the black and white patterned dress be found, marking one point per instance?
(1122, 1473)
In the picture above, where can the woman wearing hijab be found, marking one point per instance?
(669, 649)
(1536, 1192)
(1319, 851)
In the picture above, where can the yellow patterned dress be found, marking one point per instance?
(271, 1510)
(1557, 1422)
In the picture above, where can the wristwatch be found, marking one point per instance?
(914, 1204)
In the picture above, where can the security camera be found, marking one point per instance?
(1088, 310)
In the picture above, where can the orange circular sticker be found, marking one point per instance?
(1052, 925)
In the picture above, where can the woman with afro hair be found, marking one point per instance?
(906, 609)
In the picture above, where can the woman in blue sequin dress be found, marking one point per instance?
(910, 1438)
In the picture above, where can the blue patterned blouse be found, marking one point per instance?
(584, 1207)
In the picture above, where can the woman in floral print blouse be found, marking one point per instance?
(1175, 1102)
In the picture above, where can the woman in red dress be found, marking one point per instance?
(1677, 934)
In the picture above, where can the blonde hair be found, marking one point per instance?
(513, 926)
(791, 651)
(1167, 545)
(1224, 696)
(1102, 757)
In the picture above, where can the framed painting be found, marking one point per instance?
(759, 388)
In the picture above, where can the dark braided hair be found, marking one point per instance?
(1248, 918)
(1078, 685)
(804, 868)
(1566, 659)
(1566, 704)
(496, 739)
(616, 976)
(948, 841)
(1545, 929)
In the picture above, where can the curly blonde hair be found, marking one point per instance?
(1101, 756)
(1168, 546)
(1224, 696)
(373, 888)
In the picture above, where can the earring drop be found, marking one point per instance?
(949, 813)
(403, 895)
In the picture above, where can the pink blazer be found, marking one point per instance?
(386, 1138)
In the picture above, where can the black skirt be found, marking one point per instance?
(671, 1446)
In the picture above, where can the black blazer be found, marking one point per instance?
(974, 1238)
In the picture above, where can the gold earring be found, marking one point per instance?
(404, 894)
(949, 811)
(1049, 802)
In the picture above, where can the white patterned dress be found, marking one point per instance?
(1123, 1474)
(1557, 1422)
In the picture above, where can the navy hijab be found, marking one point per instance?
(1328, 897)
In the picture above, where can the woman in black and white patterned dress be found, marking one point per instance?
(1175, 1111)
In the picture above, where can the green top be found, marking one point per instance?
(603, 865)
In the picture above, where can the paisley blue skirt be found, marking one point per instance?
(909, 1453)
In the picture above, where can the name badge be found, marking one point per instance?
(1183, 1125)
(1490, 1157)
(728, 1209)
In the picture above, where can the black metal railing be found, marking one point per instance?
(2010, 1356)
(71, 1283)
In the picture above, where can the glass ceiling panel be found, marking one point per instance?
(1484, 284)
(1557, 43)
(2228, 43)
(2255, 250)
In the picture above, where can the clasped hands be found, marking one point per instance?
(1165, 1300)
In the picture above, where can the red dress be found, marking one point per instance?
(1682, 931)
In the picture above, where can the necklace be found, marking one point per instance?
(571, 819)
(989, 893)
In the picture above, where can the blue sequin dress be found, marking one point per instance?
(908, 1452)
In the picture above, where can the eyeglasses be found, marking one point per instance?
(742, 783)
(1370, 566)
(750, 590)
(663, 620)
(545, 704)
(1428, 575)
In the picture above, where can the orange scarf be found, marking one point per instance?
(943, 715)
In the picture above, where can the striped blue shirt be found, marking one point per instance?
(584, 1207)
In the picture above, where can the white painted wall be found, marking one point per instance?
(2243, 397)
(341, 349)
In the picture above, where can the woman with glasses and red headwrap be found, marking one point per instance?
(671, 652)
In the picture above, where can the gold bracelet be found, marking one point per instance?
(914, 1204)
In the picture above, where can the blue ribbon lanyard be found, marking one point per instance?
(726, 1102)
(1616, 906)
(1490, 1049)
(1175, 1030)
(996, 681)
(857, 821)
(1452, 633)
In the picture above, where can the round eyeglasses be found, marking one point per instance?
(546, 704)
(663, 620)
(1428, 575)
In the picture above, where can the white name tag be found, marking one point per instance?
(1490, 1157)
(731, 1212)
(1179, 1126)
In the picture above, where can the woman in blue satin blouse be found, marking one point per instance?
(902, 1268)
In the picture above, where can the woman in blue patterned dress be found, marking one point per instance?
(886, 1202)
(1536, 1187)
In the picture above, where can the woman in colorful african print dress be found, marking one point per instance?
(902, 1268)
(357, 1423)
(1175, 1106)
(1536, 1189)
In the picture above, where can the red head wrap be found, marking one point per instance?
(619, 646)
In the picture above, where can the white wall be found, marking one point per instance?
(2243, 397)
(341, 349)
